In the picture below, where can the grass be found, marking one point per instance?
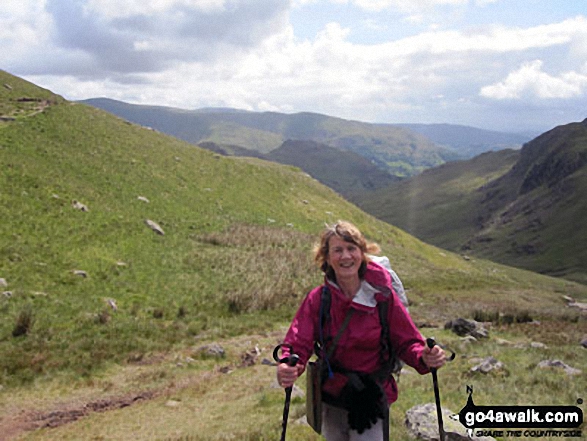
(246, 404)
(234, 263)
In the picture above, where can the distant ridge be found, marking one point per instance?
(394, 149)
(524, 208)
(468, 141)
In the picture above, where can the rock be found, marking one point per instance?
(572, 303)
(143, 199)
(558, 364)
(112, 304)
(538, 345)
(214, 350)
(268, 362)
(463, 327)
(80, 273)
(580, 306)
(155, 227)
(7, 294)
(422, 424)
(487, 365)
(584, 342)
(296, 391)
(3, 283)
(504, 342)
(172, 403)
(249, 358)
(79, 206)
(468, 339)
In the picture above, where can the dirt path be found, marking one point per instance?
(18, 419)
(21, 420)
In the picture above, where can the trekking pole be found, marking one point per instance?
(292, 360)
(431, 343)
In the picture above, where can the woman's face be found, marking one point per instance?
(345, 258)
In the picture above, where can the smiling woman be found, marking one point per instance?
(347, 321)
(342, 256)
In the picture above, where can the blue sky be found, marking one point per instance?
(506, 65)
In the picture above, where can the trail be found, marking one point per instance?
(18, 421)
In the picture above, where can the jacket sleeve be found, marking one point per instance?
(404, 335)
(303, 330)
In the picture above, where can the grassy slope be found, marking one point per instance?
(394, 149)
(436, 204)
(538, 222)
(227, 266)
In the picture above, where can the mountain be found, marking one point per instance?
(395, 150)
(466, 141)
(118, 242)
(523, 208)
(345, 172)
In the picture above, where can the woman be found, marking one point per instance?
(356, 396)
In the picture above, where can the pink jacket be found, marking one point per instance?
(359, 346)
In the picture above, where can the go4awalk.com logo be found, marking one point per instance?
(521, 421)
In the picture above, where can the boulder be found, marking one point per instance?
(487, 365)
(79, 206)
(463, 327)
(214, 350)
(155, 227)
(422, 424)
(558, 364)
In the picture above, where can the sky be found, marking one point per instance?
(507, 65)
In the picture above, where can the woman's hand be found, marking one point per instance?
(287, 375)
(435, 357)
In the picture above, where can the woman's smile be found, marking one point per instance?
(345, 258)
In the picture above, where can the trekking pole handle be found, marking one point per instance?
(292, 360)
(430, 342)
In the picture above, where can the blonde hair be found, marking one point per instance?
(349, 233)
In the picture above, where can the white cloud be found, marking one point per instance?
(531, 80)
(405, 5)
(108, 38)
(243, 53)
(116, 8)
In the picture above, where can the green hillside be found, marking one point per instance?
(102, 317)
(394, 149)
(438, 205)
(521, 208)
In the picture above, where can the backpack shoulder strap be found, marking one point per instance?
(389, 359)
